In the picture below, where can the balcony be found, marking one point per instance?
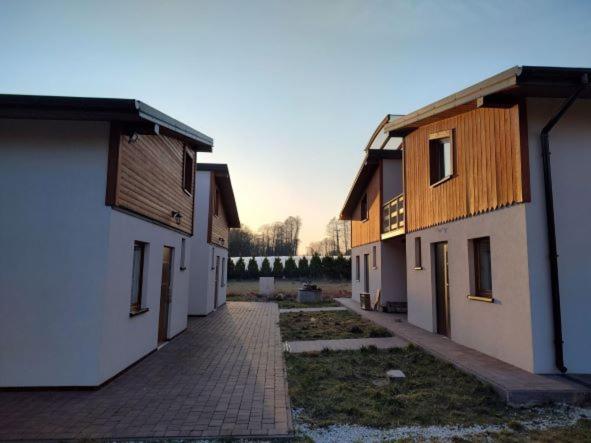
(393, 217)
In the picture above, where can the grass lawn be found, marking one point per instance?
(580, 432)
(329, 325)
(330, 289)
(350, 387)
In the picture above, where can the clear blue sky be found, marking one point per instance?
(289, 90)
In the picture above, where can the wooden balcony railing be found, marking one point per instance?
(393, 213)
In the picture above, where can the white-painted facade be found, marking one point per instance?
(209, 268)
(66, 262)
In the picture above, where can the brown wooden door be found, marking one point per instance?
(165, 292)
(217, 282)
(442, 289)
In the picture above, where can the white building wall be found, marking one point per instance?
(203, 255)
(570, 145)
(126, 339)
(375, 279)
(54, 229)
(501, 329)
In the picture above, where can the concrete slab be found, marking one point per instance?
(319, 309)
(514, 385)
(350, 344)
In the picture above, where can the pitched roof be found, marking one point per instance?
(139, 116)
(222, 177)
(505, 87)
(368, 167)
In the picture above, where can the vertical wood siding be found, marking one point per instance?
(368, 231)
(150, 180)
(490, 167)
(218, 224)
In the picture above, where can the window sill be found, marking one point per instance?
(417, 268)
(485, 299)
(138, 312)
(183, 268)
(443, 180)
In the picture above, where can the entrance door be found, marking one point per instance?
(165, 294)
(217, 282)
(366, 273)
(442, 289)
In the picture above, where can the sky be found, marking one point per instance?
(290, 91)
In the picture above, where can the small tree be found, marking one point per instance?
(328, 268)
(253, 268)
(348, 273)
(231, 269)
(240, 269)
(315, 266)
(304, 268)
(266, 268)
(291, 269)
(342, 267)
(277, 268)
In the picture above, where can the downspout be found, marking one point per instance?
(551, 225)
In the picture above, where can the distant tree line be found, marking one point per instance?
(279, 238)
(337, 240)
(334, 268)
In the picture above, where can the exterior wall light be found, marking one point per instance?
(177, 217)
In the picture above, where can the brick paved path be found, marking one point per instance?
(224, 376)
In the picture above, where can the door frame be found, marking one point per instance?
(216, 281)
(166, 318)
(442, 302)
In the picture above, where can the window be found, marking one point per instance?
(363, 215)
(357, 268)
(137, 276)
(418, 259)
(188, 171)
(374, 256)
(482, 267)
(216, 203)
(212, 259)
(223, 271)
(183, 253)
(365, 272)
(441, 156)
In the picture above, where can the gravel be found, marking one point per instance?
(560, 415)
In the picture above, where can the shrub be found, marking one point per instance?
(231, 269)
(277, 268)
(291, 269)
(253, 268)
(328, 268)
(266, 268)
(315, 266)
(240, 269)
(304, 267)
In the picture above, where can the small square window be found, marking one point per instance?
(482, 267)
(363, 214)
(441, 157)
(188, 170)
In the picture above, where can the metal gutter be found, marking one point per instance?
(551, 224)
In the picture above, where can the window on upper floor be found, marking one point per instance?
(363, 214)
(188, 170)
(441, 157)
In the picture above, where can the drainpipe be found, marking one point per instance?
(551, 224)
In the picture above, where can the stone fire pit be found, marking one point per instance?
(309, 294)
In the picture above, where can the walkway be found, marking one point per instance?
(348, 344)
(224, 376)
(324, 309)
(514, 385)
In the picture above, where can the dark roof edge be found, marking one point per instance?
(221, 173)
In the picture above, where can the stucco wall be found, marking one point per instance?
(126, 339)
(375, 282)
(570, 145)
(54, 238)
(203, 254)
(501, 329)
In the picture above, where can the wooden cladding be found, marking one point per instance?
(146, 177)
(218, 224)
(369, 230)
(490, 167)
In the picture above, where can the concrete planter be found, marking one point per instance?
(309, 294)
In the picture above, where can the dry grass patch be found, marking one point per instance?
(331, 325)
(330, 288)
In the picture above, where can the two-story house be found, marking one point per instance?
(97, 208)
(216, 213)
(496, 229)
